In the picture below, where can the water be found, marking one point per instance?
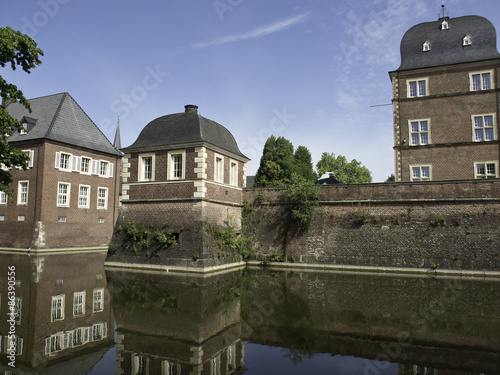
(249, 321)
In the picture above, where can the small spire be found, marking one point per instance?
(443, 14)
(117, 142)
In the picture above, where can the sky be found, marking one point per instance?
(312, 71)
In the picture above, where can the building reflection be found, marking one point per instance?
(172, 325)
(62, 312)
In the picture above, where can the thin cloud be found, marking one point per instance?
(257, 33)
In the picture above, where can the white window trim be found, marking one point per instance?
(428, 131)
(109, 168)
(58, 161)
(170, 163)
(100, 305)
(492, 80)
(426, 47)
(88, 196)
(467, 41)
(89, 166)
(19, 203)
(445, 25)
(3, 199)
(420, 166)
(426, 79)
(141, 166)
(82, 296)
(495, 135)
(233, 175)
(220, 177)
(31, 155)
(106, 199)
(52, 311)
(476, 176)
(59, 183)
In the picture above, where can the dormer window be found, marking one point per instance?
(24, 128)
(445, 25)
(467, 40)
(426, 47)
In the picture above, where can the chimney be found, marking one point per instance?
(190, 108)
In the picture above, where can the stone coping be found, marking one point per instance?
(54, 251)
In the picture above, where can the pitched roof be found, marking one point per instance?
(446, 46)
(182, 130)
(59, 118)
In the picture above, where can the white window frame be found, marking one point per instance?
(86, 197)
(467, 41)
(486, 175)
(54, 343)
(98, 300)
(100, 205)
(493, 127)
(79, 303)
(481, 74)
(142, 167)
(419, 132)
(108, 168)
(22, 196)
(170, 157)
(87, 165)
(233, 173)
(420, 166)
(219, 168)
(417, 82)
(3, 199)
(63, 161)
(445, 25)
(61, 196)
(31, 156)
(57, 308)
(426, 47)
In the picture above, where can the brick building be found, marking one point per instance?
(68, 197)
(446, 101)
(187, 173)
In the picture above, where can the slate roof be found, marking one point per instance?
(182, 130)
(446, 46)
(59, 118)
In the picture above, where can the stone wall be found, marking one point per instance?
(450, 225)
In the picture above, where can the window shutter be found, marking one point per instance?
(32, 157)
(58, 160)
(104, 329)
(19, 346)
(47, 345)
(95, 166)
(75, 163)
(111, 167)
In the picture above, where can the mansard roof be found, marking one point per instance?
(59, 118)
(446, 44)
(186, 129)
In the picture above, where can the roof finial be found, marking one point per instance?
(443, 10)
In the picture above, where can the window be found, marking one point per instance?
(417, 88)
(233, 173)
(170, 368)
(24, 128)
(219, 169)
(102, 198)
(99, 331)
(483, 128)
(420, 173)
(22, 193)
(31, 155)
(467, 40)
(103, 168)
(79, 303)
(63, 161)
(57, 312)
(13, 341)
(445, 25)
(84, 196)
(98, 304)
(78, 336)
(63, 191)
(85, 165)
(176, 165)
(419, 132)
(426, 47)
(146, 167)
(3, 198)
(486, 170)
(481, 81)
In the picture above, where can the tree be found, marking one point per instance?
(276, 164)
(391, 178)
(16, 50)
(303, 164)
(347, 172)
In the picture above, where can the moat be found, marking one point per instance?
(75, 317)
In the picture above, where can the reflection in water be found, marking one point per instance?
(62, 313)
(304, 323)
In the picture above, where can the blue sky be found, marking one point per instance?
(307, 70)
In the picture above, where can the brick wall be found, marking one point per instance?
(448, 224)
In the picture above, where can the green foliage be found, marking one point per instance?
(150, 239)
(16, 50)
(304, 199)
(276, 255)
(276, 163)
(303, 164)
(440, 221)
(362, 216)
(228, 239)
(391, 178)
(347, 172)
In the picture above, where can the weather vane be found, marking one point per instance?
(443, 8)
